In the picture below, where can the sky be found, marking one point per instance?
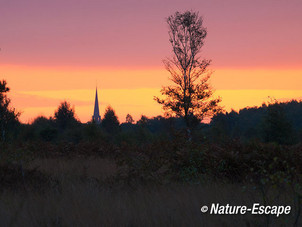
(58, 50)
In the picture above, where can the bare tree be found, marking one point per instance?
(191, 96)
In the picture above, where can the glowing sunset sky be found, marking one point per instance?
(56, 50)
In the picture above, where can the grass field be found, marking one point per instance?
(86, 192)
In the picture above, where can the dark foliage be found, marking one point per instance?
(276, 126)
(14, 178)
(65, 115)
(129, 119)
(110, 121)
(274, 122)
(8, 115)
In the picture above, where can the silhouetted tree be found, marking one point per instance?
(65, 115)
(191, 95)
(45, 128)
(42, 121)
(8, 115)
(129, 119)
(110, 121)
(276, 126)
(143, 121)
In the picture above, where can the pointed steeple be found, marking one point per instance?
(96, 113)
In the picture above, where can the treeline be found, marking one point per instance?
(276, 122)
(279, 122)
(65, 127)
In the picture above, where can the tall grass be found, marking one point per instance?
(86, 197)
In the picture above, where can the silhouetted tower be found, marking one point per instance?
(96, 113)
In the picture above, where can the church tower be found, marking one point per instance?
(96, 113)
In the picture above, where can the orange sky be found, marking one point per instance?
(132, 90)
(56, 50)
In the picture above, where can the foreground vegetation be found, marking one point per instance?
(84, 203)
(121, 181)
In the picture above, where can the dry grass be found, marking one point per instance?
(93, 167)
(81, 201)
(83, 205)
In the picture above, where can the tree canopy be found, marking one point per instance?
(129, 119)
(65, 115)
(110, 121)
(191, 96)
(8, 115)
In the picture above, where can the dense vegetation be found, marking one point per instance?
(274, 122)
(235, 146)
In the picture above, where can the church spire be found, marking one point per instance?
(96, 113)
